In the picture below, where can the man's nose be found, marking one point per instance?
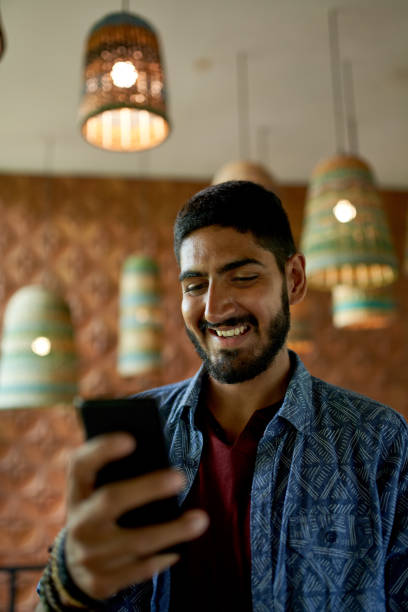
(219, 304)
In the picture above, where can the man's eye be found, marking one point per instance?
(194, 288)
(243, 279)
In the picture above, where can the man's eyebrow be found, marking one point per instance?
(231, 265)
(190, 274)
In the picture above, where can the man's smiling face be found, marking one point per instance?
(235, 302)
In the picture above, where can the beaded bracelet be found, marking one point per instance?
(57, 586)
(69, 587)
(55, 576)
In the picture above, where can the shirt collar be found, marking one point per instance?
(296, 408)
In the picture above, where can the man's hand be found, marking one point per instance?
(102, 557)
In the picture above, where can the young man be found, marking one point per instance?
(295, 491)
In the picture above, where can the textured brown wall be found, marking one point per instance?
(75, 233)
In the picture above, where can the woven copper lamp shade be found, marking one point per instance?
(140, 327)
(241, 170)
(354, 308)
(358, 251)
(123, 106)
(38, 358)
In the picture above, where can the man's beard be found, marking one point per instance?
(229, 367)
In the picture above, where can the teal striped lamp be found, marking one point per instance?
(354, 308)
(140, 327)
(38, 365)
(345, 235)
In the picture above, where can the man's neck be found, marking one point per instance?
(234, 404)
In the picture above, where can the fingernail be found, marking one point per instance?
(178, 478)
(199, 522)
(125, 442)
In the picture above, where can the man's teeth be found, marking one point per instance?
(231, 332)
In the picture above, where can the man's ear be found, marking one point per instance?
(295, 271)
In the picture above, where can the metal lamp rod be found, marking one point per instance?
(336, 80)
(243, 104)
(349, 102)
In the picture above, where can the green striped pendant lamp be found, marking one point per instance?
(345, 236)
(123, 105)
(38, 364)
(140, 327)
(354, 308)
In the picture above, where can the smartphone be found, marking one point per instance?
(140, 418)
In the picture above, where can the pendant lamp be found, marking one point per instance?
(123, 106)
(38, 364)
(241, 170)
(354, 308)
(346, 238)
(140, 327)
(345, 234)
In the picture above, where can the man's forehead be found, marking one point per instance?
(222, 247)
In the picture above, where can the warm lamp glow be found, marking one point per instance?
(41, 346)
(124, 74)
(344, 211)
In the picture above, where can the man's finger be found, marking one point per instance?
(127, 544)
(110, 501)
(104, 585)
(88, 459)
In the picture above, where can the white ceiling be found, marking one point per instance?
(290, 109)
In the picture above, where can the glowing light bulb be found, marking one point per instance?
(41, 346)
(124, 74)
(344, 211)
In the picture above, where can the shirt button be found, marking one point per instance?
(331, 537)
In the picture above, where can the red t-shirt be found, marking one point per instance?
(214, 573)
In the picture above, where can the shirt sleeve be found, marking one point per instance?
(395, 504)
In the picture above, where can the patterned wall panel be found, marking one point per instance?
(74, 234)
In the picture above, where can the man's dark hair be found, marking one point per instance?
(244, 206)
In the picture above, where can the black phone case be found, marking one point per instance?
(140, 418)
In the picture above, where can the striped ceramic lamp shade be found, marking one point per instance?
(244, 171)
(140, 327)
(356, 308)
(345, 237)
(38, 364)
(123, 105)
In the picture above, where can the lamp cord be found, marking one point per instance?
(243, 105)
(336, 80)
(49, 152)
(349, 103)
(125, 6)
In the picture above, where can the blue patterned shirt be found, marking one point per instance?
(329, 500)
